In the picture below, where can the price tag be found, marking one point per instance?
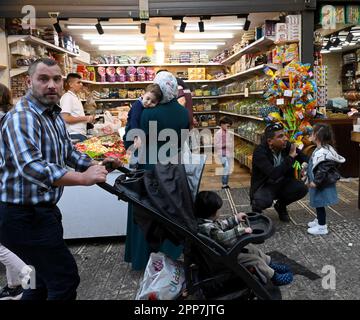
(279, 102)
(288, 93)
(246, 92)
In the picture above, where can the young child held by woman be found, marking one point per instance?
(227, 231)
(150, 99)
(322, 175)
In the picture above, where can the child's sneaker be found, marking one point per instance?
(313, 223)
(279, 268)
(318, 230)
(281, 279)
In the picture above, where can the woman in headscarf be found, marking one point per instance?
(169, 114)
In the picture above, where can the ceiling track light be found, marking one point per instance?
(57, 26)
(99, 28)
(143, 27)
(349, 37)
(182, 25)
(335, 42)
(328, 45)
(247, 24)
(201, 25)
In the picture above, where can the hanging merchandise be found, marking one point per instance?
(294, 97)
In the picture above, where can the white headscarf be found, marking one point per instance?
(168, 85)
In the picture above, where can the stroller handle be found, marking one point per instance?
(108, 187)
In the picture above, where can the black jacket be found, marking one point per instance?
(326, 173)
(263, 169)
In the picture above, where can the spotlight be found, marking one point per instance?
(143, 27)
(328, 45)
(201, 26)
(336, 42)
(182, 26)
(349, 37)
(247, 24)
(57, 26)
(99, 27)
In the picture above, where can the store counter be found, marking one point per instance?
(90, 212)
(342, 131)
(355, 136)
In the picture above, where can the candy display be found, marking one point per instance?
(250, 106)
(102, 147)
(295, 99)
(321, 77)
(206, 105)
(122, 59)
(188, 57)
(196, 73)
(250, 130)
(243, 152)
(118, 74)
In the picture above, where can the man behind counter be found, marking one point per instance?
(73, 110)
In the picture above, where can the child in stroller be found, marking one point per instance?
(227, 231)
(164, 199)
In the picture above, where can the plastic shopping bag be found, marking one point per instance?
(111, 124)
(163, 278)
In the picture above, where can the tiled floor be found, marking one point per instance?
(104, 274)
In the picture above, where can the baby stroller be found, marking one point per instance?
(163, 207)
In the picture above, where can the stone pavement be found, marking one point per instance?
(104, 275)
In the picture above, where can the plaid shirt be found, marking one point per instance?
(224, 232)
(35, 148)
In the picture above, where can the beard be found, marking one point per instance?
(46, 99)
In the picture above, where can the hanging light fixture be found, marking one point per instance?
(143, 27)
(57, 26)
(99, 27)
(201, 25)
(247, 24)
(182, 25)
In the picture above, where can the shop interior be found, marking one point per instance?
(221, 58)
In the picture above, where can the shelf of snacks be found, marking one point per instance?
(25, 49)
(35, 40)
(243, 152)
(240, 94)
(116, 83)
(209, 64)
(207, 127)
(246, 139)
(115, 74)
(245, 74)
(241, 115)
(205, 112)
(257, 46)
(16, 71)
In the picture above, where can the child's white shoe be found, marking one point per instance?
(313, 223)
(318, 230)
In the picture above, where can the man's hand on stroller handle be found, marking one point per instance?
(111, 163)
(94, 174)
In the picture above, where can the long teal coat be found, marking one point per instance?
(169, 115)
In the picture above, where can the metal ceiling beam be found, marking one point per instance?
(166, 8)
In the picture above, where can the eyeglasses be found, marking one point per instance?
(274, 127)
